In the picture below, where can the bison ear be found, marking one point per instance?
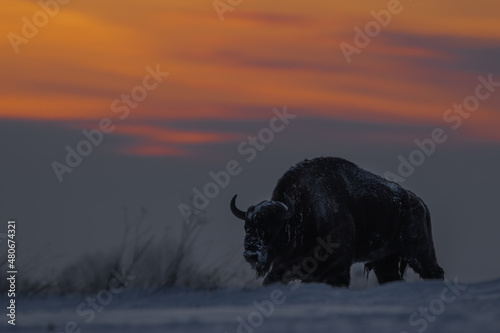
(290, 210)
(236, 212)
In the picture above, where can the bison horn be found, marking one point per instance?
(238, 213)
(289, 208)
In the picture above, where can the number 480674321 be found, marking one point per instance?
(11, 229)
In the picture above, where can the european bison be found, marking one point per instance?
(327, 213)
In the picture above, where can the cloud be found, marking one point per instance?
(153, 140)
(272, 18)
(239, 70)
(444, 52)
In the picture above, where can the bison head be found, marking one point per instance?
(263, 223)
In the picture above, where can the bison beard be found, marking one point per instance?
(369, 218)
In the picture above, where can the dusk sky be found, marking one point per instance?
(91, 64)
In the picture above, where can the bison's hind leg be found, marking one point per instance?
(427, 269)
(386, 270)
(418, 247)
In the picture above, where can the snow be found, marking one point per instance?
(395, 307)
(262, 206)
(364, 181)
(256, 243)
(261, 253)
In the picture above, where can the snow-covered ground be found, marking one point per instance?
(423, 306)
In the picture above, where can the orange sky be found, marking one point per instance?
(263, 55)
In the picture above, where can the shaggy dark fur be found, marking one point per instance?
(327, 213)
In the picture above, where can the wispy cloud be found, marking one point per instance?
(264, 54)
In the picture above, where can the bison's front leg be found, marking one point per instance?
(274, 276)
(386, 270)
(339, 280)
(284, 274)
(338, 273)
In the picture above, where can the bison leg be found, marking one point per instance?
(340, 279)
(417, 244)
(274, 276)
(335, 275)
(427, 268)
(386, 270)
(338, 273)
